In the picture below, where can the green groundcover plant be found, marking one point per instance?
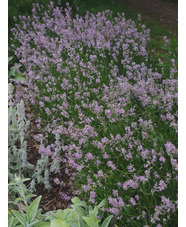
(105, 112)
(80, 215)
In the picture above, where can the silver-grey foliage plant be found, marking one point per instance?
(79, 215)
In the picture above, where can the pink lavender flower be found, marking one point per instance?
(111, 165)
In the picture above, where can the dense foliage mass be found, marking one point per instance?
(104, 110)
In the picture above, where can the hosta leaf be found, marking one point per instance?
(32, 209)
(19, 217)
(107, 221)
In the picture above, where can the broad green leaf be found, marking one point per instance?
(32, 209)
(44, 224)
(20, 217)
(79, 209)
(15, 222)
(88, 221)
(107, 221)
(51, 217)
(93, 217)
(95, 211)
(102, 203)
(81, 223)
(72, 222)
(10, 221)
(68, 215)
(77, 201)
(61, 214)
(66, 211)
(33, 223)
(58, 223)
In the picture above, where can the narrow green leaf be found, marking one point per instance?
(20, 217)
(107, 221)
(102, 203)
(32, 209)
(95, 211)
(9, 59)
(30, 195)
(10, 221)
(11, 183)
(18, 199)
(25, 179)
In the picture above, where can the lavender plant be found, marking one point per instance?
(105, 112)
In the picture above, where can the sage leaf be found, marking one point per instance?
(107, 221)
(20, 217)
(32, 209)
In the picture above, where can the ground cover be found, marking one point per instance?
(107, 110)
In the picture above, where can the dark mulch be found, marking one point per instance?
(167, 11)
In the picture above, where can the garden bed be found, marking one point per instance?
(102, 112)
